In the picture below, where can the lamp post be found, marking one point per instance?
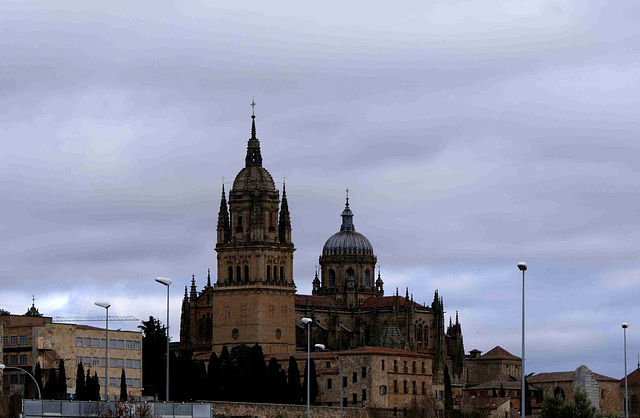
(307, 322)
(106, 306)
(2, 367)
(626, 393)
(523, 267)
(166, 282)
(321, 347)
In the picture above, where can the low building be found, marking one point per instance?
(372, 377)
(633, 387)
(490, 366)
(603, 391)
(32, 338)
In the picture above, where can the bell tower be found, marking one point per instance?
(253, 298)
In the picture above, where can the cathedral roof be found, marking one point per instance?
(317, 301)
(564, 377)
(347, 239)
(498, 353)
(386, 302)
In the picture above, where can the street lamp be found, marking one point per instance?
(523, 267)
(307, 322)
(321, 347)
(626, 393)
(166, 282)
(106, 306)
(2, 367)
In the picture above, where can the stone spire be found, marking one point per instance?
(253, 147)
(193, 294)
(347, 217)
(224, 226)
(284, 222)
(208, 277)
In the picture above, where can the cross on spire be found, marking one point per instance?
(347, 190)
(253, 108)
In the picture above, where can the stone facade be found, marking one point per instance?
(28, 340)
(495, 363)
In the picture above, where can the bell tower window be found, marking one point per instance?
(246, 273)
(238, 274)
(268, 273)
(275, 273)
(230, 274)
(239, 223)
(367, 278)
(332, 278)
(281, 273)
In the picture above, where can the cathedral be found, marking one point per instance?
(254, 300)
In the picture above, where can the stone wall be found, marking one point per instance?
(232, 409)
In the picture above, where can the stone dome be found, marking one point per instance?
(253, 177)
(347, 241)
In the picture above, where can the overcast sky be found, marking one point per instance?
(471, 135)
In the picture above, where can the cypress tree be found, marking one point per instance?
(273, 390)
(310, 373)
(81, 394)
(51, 387)
(38, 376)
(123, 387)
(96, 387)
(448, 393)
(295, 388)
(89, 388)
(257, 376)
(62, 381)
(213, 378)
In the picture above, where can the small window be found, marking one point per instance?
(395, 365)
(395, 386)
(120, 363)
(78, 341)
(87, 342)
(112, 362)
(382, 364)
(423, 392)
(413, 386)
(96, 342)
(102, 381)
(355, 377)
(78, 360)
(404, 368)
(345, 380)
(5, 359)
(136, 364)
(23, 359)
(24, 340)
(136, 345)
(14, 378)
(129, 363)
(329, 383)
(96, 361)
(5, 340)
(129, 345)
(405, 386)
(121, 344)
(103, 343)
(14, 340)
(112, 381)
(14, 359)
(235, 333)
(136, 383)
(328, 364)
(364, 395)
(103, 362)
(383, 390)
(129, 382)
(364, 373)
(112, 344)
(87, 361)
(355, 398)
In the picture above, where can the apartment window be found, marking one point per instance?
(112, 343)
(344, 381)
(423, 369)
(383, 390)
(103, 343)
(382, 364)
(423, 388)
(14, 359)
(120, 363)
(5, 340)
(118, 381)
(355, 398)
(136, 383)
(87, 361)
(129, 382)
(102, 381)
(136, 364)
(96, 361)
(121, 344)
(413, 367)
(329, 383)
(87, 342)
(435, 394)
(413, 386)
(395, 365)
(328, 364)
(24, 340)
(103, 362)
(364, 395)
(5, 359)
(395, 386)
(129, 345)
(129, 363)
(14, 378)
(364, 373)
(404, 386)
(404, 368)
(136, 345)
(355, 377)
(23, 359)
(112, 362)
(22, 378)
(78, 341)
(14, 340)
(78, 360)
(96, 342)
(112, 381)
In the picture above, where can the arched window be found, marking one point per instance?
(281, 273)
(367, 278)
(208, 328)
(332, 278)
(425, 335)
(238, 274)
(275, 273)
(246, 273)
(239, 223)
(268, 273)
(230, 274)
